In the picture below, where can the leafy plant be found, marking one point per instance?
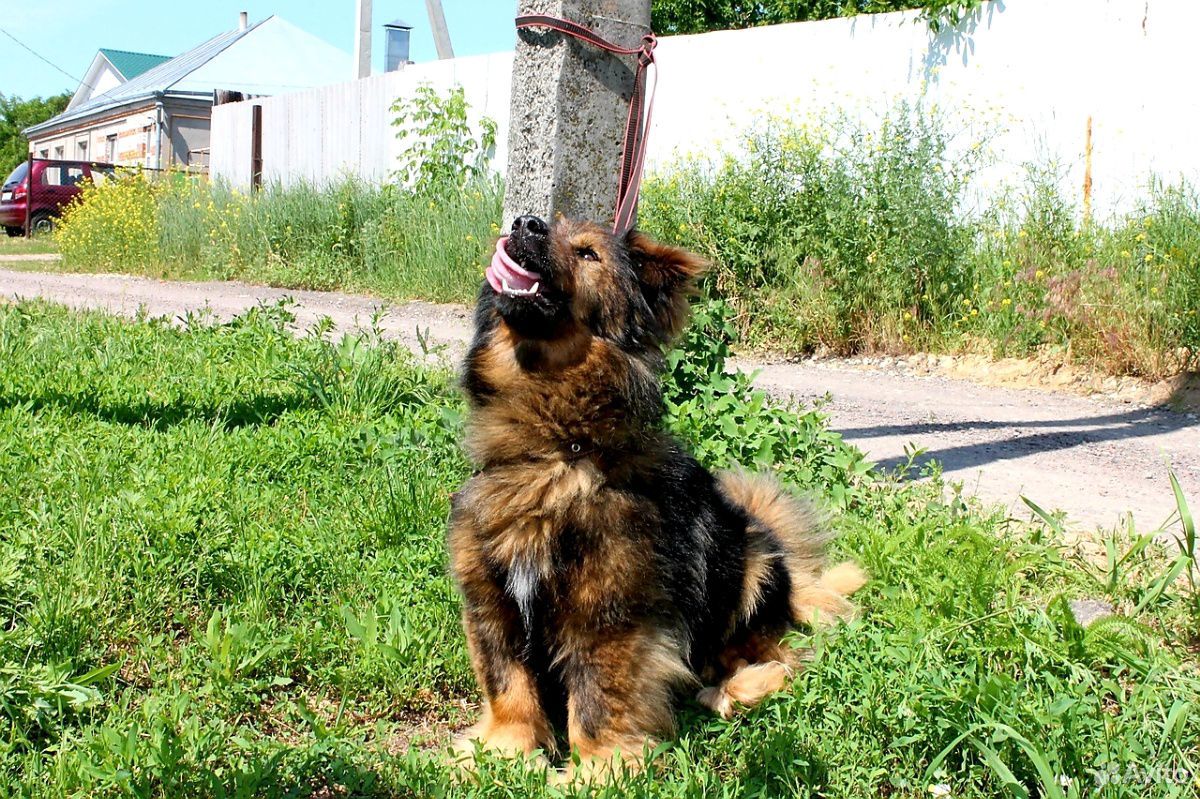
(729, 423)
(839, 237)
(441, 146)
(688, 16)
(36, 699)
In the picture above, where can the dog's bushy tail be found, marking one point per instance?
(785, 528)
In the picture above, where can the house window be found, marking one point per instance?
(58, 152)
(110, 148)
(81, 149)
(44, 154)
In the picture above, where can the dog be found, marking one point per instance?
(602, 569)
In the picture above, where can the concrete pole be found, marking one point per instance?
(441, 34)
(362, 40)
(570, 102)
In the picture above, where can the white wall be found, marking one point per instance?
(346, 129)
(1025, 75)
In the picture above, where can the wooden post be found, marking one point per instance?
(29, 197)
(1087, 175)
(256, 159)
(570, 102)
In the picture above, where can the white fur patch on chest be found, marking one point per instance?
(522, 586)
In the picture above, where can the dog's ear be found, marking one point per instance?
(667, 276)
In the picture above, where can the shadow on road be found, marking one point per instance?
(1094, 430)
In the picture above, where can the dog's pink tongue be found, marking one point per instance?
(503, 269)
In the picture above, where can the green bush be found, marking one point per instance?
(835, 236)
(844, 239)
(441, 145)
(730, 424)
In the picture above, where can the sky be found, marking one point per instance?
(69, 32)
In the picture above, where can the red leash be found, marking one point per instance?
(633, 151)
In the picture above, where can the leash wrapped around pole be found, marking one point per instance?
(633, 149)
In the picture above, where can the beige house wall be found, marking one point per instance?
(129, 140)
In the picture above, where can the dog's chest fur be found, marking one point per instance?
(556, 534)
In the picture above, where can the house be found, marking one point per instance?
(110, 68)
(137, 109)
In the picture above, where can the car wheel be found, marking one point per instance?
(42, 224)
(14, 231)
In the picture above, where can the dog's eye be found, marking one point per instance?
(587, 254)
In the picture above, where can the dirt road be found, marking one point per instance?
(1094, 458)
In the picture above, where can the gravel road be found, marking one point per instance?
(1094, 458)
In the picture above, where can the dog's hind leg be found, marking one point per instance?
(820, 599)
(785, 582)
(749, 684)
(785, 530)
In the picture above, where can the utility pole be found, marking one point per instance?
(362, 40)
(570, 102)
(437, 24)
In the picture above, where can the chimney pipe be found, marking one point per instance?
(243, 20)
(395, 54)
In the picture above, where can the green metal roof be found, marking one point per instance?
(130, 65)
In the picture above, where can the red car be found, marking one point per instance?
(55, 183)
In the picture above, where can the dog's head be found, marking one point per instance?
(558, 282)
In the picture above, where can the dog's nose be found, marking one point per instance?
(530, 224)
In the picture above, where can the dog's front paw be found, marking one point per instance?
(599, 765)
(506, 740)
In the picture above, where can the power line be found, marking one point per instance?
(46, 60)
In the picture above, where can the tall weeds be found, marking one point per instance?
(844, 239)
(835, 237)
(350, 235)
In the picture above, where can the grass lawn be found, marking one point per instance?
(23, 246)
(222, 573)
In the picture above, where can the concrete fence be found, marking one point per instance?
(1103, 87)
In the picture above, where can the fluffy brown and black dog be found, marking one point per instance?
(602, 568)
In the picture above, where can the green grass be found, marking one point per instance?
(22, 246)
(222, 574)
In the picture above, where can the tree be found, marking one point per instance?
(697, 16)
(16, 115)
